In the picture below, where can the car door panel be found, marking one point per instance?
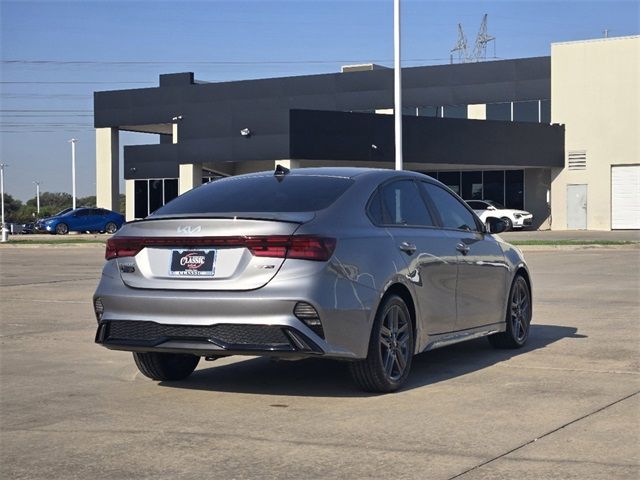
(482, 278)
(433, 270)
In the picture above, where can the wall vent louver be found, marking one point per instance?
(577, 160)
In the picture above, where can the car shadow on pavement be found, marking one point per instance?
(328, 378)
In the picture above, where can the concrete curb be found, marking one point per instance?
(572, 248)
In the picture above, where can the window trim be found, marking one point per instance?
(480, 227)
(377, 190)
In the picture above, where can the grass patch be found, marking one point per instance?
(45, 241)
(572, 242)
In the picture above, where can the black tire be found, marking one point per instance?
(165, 366)
(62, 229)
(518, 317)
(508, 222)
(111, 228)
(390, 353)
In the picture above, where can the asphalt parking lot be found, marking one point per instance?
(566, 406)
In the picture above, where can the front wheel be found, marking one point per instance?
(111, 228)
(390, 352)
(62, 229)
(518, 317)
(165, 366)
(508, 223)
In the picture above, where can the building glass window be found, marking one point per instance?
(156, 195)
(526, 111)
(455, 111)
(514, 189)
(141, 207)
(412, 111)
(499, 111)
(429, 111)
(472, 185)
(494, 186)
(432, 174)
(451, 180)
(545, 111)
(170, 189)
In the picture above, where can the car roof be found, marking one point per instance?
(344, 172)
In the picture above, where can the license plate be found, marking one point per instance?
(193, 263)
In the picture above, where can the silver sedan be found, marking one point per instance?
(362, 265)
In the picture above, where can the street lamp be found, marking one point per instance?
(73, 170)
(4, 231)
(37, 198)
(397, 84)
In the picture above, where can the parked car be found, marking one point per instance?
(82, 220)
(362, 265)
(27, 228)
(511, 217)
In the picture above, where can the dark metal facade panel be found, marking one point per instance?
(484, 82)
(352, 136)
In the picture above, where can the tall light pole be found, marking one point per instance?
(37, 198)
(397, 84)
(4, 231)
(73, 170)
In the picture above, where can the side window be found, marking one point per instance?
(452, 212)
(400, 203)
(477, 205)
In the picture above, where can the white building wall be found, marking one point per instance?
(595, 92)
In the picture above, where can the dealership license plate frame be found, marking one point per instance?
(181, 270)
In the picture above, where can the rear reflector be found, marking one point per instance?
(304, 247)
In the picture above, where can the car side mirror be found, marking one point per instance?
(491, 207)
(496, 225)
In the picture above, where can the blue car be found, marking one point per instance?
(82, 220)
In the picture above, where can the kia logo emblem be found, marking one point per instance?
(189, 229)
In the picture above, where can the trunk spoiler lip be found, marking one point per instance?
(286, 217)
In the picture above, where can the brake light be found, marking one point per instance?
(303, 247)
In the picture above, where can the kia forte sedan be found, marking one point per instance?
(367, 266)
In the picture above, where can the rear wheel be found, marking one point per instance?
(390, 351)
(518, 317)
(165, 366)
(62, 229)
(111, 227)
(508, 222)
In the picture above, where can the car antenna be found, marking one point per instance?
(280, 172)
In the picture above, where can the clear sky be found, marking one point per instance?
(55, 54)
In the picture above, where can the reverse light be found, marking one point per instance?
(303, 247)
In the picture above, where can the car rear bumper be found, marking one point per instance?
(257, 322)
(216, 340)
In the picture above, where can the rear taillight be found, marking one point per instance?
(303, 247)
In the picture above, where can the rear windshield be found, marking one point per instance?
(260, 194)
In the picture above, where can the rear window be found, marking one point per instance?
(260, 194)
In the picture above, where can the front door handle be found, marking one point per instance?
(462, 248)
(408, 248)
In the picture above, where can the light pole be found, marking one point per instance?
(397, 84)
(37, 198)
(4, 231)
(73, 170)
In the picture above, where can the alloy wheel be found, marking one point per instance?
(394, 342)
(520, 311)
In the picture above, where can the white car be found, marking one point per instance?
(513, 218)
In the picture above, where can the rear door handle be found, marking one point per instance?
(408, 248)
(462, 248)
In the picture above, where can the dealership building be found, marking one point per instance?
(556, 135)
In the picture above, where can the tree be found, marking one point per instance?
(87, 201)
(11, 208)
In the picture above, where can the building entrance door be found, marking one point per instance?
(576, 207)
